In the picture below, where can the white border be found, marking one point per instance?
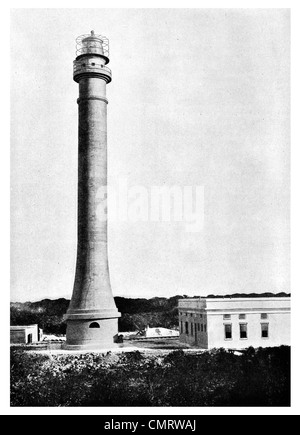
(4, 173)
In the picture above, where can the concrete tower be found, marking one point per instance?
(92, 318)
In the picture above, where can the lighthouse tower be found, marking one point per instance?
(92, 318)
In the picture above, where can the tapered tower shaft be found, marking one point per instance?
(92, 318)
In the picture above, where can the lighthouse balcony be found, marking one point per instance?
(91, 68)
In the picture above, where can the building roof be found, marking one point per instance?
(23, 327)
(237, 304)
(160, 332)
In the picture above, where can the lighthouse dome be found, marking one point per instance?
(93, 44)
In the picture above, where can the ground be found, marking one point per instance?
(157, 376)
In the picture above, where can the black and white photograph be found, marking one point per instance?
(150, 237)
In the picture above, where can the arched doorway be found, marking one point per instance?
(94, 325)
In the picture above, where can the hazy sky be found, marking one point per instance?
(198, 97)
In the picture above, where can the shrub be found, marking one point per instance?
(217, 378)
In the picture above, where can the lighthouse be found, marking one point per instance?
(92, 317)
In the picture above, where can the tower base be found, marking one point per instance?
(91, 334)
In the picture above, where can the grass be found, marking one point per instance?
(217, 378)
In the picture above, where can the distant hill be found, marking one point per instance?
(136, 313)
(251, 295)
(48, 314)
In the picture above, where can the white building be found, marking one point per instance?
(47, 338)
(235, 323)
(160, 332)
(25, 334)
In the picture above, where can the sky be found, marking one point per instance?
(199, 97)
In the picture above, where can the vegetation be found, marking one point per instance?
(47, 314)
(216, 378)
(136, 313)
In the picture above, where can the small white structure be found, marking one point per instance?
(53, 338)
(26, 334)
(160, 332)
(235, 323)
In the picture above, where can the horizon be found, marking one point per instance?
(287, 294)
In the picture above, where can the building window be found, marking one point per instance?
(94, 325)
(243, 331)
(201, 316)
(186, 328)
(192, 329)
(202, 328)
(264, 316)
(228, 332)
(264, 330)
(242, 316)
(227, 317)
